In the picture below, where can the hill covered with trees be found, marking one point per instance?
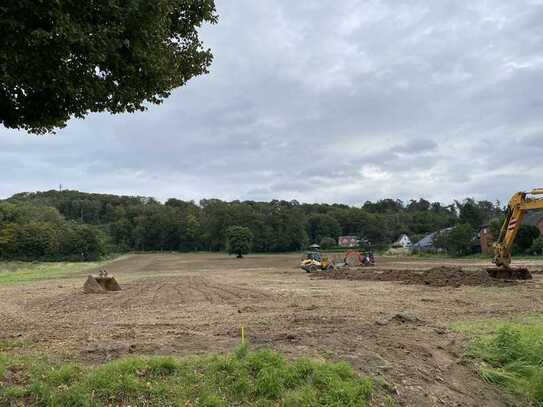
(73, 225)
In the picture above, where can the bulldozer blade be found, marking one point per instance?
(99, 285)
(503, 273)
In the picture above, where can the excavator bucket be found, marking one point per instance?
(101, 284)
(506, 273)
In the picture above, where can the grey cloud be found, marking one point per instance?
(324, 101)
(533, 140)
(416, 146)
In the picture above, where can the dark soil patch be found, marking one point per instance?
(14, 376)
(435, 277)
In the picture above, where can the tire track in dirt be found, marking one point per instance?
(156, 292)
(131, 297)
(252, 294)
(198, 284)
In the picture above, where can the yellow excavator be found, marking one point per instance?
(519, 205)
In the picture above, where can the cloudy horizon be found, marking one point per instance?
(323, 102)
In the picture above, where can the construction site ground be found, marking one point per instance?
(181, 304)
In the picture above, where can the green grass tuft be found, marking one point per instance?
(10, 344)
(259, 378)
(24, 272)
(511, 356)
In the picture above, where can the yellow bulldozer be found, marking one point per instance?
(519, 205)
(314, 261)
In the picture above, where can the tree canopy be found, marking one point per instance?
(458, 241)
(134, 223)
(526, 236)
(66, 58)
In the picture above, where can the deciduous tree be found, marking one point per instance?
(66, 58)
(238, 240)
(457, 241)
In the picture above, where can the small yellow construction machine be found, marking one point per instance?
(314, 261)
(519, 205)
(101, 284)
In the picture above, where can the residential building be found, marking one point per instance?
(426, 244)
(348, 241)
(403, 242)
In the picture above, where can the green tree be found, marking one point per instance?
(457, 241)
(537, 247)
(328, 243)
(469, 213)
(239, 240)
(67, 58)
(82, 243)
(477, 213)
(320, 226)
(495, 226)
(525, 238)
(8, 240)
(30, 241)
(216, 218)
(422, 205)
(287, 229)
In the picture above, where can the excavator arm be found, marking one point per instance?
(519, 205)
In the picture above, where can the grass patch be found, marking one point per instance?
(22, 272)
(489, 327)
(10, 344)
(510, 355)
(260, 378)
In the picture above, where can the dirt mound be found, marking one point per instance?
(451, 277)
(435, 277)
(92, 286)
(100, 285)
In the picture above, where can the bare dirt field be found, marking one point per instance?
(174, 304)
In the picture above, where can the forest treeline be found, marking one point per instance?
(72, 225)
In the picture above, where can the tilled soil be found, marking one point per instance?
(443, 276)
(195, 304)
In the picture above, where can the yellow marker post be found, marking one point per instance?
(242, 335)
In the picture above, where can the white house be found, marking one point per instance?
(403, 241)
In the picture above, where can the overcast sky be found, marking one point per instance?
(324, 101)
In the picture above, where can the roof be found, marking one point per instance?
(428, 240)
